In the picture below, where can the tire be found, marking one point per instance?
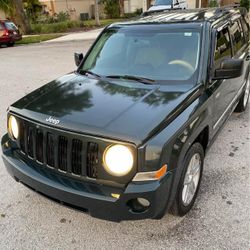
(10, 44)
(242, 105)
(184, 202)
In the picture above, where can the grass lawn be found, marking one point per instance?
(38, 38)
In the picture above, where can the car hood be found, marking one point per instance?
(123, 110)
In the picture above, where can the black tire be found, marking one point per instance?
(242, 105)
(10, 44)
(178, 207)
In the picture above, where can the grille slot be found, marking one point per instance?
(76, 159)
(62, 153)
(50, 150)
(39, 145)
(92, 159)
(22, 137)
(30, 142)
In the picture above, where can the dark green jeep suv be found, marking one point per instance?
(125, 135)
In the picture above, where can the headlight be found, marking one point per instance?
(13, 127)
(118, 160)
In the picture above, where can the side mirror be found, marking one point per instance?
(229, 68)
(78, 58)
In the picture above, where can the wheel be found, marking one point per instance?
(242, 105)
(10, 44)
(190, 180)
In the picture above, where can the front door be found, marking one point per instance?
(223, 90)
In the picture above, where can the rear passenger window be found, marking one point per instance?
(223, 47)
(237, 36)
(245, 27)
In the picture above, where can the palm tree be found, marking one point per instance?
(121, 6)
(6, 6)
(14, 8)
(97, 19)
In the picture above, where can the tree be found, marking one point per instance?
(121, 7)
(97, 18)
(245, 3)
(15, 9)
(32, 8)
(7, 7)
(21, 16)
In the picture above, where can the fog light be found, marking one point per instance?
(138, 205)
(143, 202)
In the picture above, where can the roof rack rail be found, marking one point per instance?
(150, 12)
(226, 7)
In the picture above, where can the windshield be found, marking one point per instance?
(151, 53)
(163, 2)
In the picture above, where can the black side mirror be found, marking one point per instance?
(229, 68)
(78, 58)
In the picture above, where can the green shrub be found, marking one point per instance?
(245, 3)
(62, 16)
(133, 14)
(213, 3)
(111, 8)
(60, 27)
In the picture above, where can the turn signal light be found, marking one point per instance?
(151, 176)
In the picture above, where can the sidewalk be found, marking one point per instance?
(79, 36)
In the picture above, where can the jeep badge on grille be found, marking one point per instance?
(53, 120)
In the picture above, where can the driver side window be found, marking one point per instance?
(223, 48)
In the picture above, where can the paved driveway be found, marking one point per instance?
(219, 220)
(77, 36)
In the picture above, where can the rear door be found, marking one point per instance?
(240, 48)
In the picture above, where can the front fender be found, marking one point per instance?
(171, 144)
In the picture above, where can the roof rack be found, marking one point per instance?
(226, 8)
(150, 12)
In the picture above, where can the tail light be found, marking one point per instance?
(5, 33)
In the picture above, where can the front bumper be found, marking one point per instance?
(94, 198)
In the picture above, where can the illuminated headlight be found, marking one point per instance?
(13, 127)
(118, 160)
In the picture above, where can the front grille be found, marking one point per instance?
(60, 151)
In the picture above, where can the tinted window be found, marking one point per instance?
(237, 36)
(163, 2)
(11, 26)
(223, 47)
(245, 27)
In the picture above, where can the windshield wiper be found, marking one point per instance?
(88, 72)
(133, 78)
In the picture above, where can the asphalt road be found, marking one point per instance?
(219, 220)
